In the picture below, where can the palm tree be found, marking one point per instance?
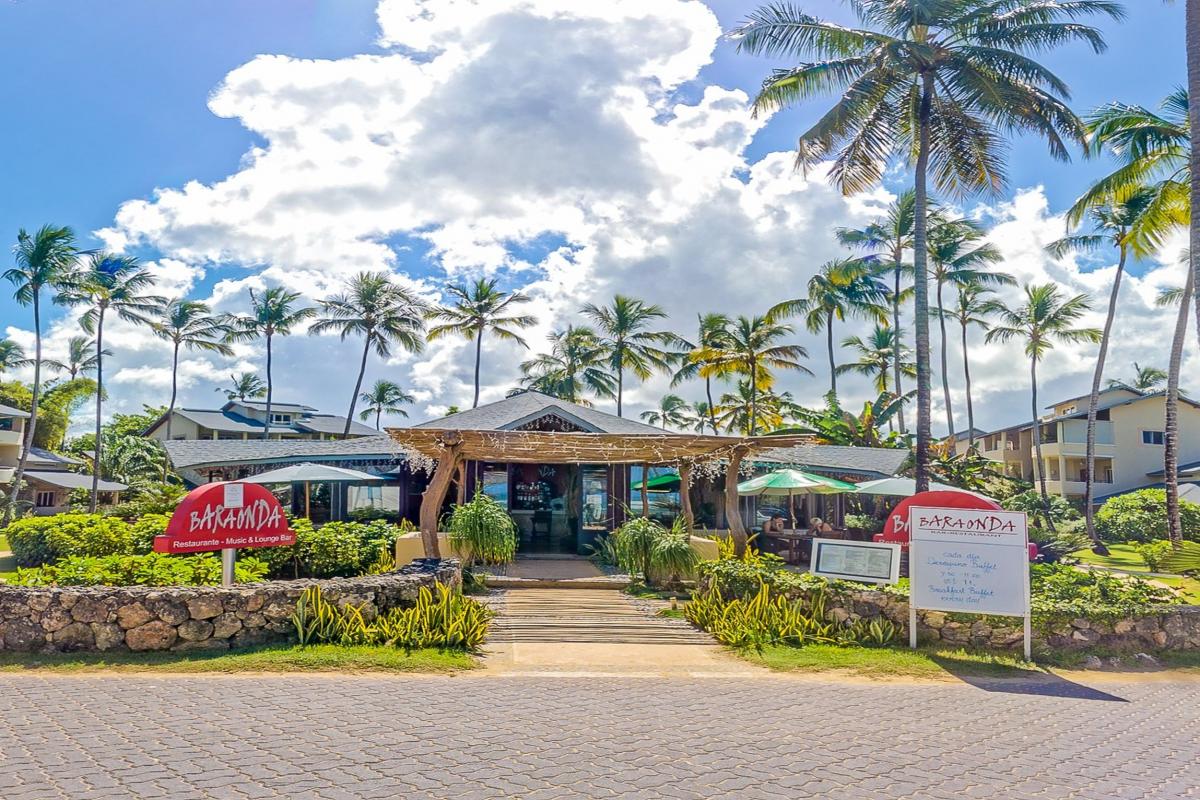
(959, 259)
(938, 83)
(1167, 298)
(191, 325)
(875, 354)
(272, 312)
(622, 328)
(753, 350)
(1045, 318)
(891, 237)
(1146, 379)
(575, 365)
(12, 355)
(479, 309)
(81, 357)
(383, 313)
(833, 425)
(712, 336)
(384, 396)
(42, 261)
(108, 283)
(702, 416)
(841, 289)
(970, 309)
(243, 386)
(749, 408)
(672, 410)
(1110, 221)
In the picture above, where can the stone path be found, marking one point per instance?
(483, 736)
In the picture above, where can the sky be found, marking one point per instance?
(568, 149)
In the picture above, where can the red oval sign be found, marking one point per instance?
(896, 528)
(226, 514)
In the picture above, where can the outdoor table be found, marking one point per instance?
(794, 540)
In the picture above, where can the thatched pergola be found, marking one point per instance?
(451, 448)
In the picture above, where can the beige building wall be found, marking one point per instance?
(180, 429)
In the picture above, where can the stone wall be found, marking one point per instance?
(142, 618)
(1170, 628)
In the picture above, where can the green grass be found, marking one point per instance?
(897, 662)
(4, 548)
(1125, 558)
(279, 658)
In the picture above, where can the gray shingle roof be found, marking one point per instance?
(275, 406)
(206, 452)
(9, 411)
(73, 480)
(232, 422)
(329, 423)
(512, 412)
(43, 457)
(874, 461)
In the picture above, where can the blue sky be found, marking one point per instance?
(107, 102)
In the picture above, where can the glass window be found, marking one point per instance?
(595, 498)
(44, 499)
(1152, 437)
(495, 484)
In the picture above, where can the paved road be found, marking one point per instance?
(485, 736)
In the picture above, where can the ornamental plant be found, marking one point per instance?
(1141, 516)
(45, 540)
(483, 532)
(153, 569)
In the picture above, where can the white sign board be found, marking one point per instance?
(870, 562)
(969, 560)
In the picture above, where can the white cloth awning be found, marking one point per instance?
(311, 473)
(73, 480)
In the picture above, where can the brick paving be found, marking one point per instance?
(481, 736)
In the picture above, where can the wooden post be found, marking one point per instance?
(685, 496)
(435, 492)
(645, 491)
(733, 510)
(461, 479)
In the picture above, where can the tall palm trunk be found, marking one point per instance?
(171, 407)
(950, 431)
(967, 382)
(11, 507)
(1037, 443)
(378, 417)
(829, 347)
(921, 285)
(362, 369)
(1192, 25)
(1171, 424)
(99, 411)
(753, 396)
(1089, 492)
(620, 377)
(270, 389)
(897, 258)
(712, 412)
(478, 357)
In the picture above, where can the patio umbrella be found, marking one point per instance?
(904, 487)
(308, 473)
(790, 482)
(660, 483)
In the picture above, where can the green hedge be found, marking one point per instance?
(44, 540)
(154, 569)
(336, 549)
(1141, 516)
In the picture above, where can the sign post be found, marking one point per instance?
(972, 561)
(225, 516)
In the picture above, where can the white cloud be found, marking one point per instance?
(544, 141)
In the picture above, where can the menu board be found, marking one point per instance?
(870, 562)
(969, 560)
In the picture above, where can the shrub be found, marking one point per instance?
(1067, 537)
(864, 522)
(1031, 503)
(483, 532)
(332, 550)
(371, 513)
(43, 540)
(143, 531)
(447, 620)
(154, 569)
(1061, 591)
(1154, 553)
(155, 498)
(1141, 516)
(741, 577)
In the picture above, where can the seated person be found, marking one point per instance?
(818, 526)
(774, 524)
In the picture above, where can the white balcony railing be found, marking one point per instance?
(10, 437)
(7, 474)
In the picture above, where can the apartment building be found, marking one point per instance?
(247, 420)
(1129, 443)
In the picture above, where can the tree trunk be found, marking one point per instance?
(829, 347)
(1089, 492)
(1192, 27)
(921, 286)
(645, 491)
(685, 497)
(435, 493)
(620, 377)
(898, 348)
(478, 356)
(362, 369)
(950, 431)
(967, 383)
(93, 502)
(174, 394)
(753, 422)
(378, 417)
(1171, 424)
(270, 388)
(712, 412)
(733, 511)
(1037, 443)
(11, 508)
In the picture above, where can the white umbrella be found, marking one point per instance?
(906, 487)
(307, 473)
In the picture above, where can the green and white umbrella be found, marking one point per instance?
(791, 482)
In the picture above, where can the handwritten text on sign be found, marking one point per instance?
(969, 560)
